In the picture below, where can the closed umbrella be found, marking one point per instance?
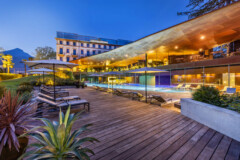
(40, 70)
(51, 63)
(146, 70)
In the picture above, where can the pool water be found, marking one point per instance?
(157, 88)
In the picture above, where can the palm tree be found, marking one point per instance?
(200, 7)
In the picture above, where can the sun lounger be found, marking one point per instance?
(179, 86)
(187, 86)
(138, 96)
(60, 93)
(63, 104)
(57, 88)
(122, 93)
(68, 98)
(161, 100)
(225, 88)
(196, 88)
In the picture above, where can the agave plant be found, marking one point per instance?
(57, 141)
(13, 119)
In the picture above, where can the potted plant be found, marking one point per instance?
(56, 141)
(13, 123)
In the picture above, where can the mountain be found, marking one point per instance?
(18, 55)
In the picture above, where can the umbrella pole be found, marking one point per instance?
(54, 83)
(146, 59)
(43, 78)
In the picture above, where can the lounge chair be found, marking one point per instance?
(68, 98)
(138, 96)
(63, 104)
(196, 88)
(187, 86)
(161, 100)
(57, 88)
(122, 93)
(60, 93)
(225, 88)
(179, 86)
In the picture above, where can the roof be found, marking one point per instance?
(73, 36)
(218, 27)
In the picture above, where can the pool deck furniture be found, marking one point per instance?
(122, 93)
(187, 86)
(59, 93)
(132, 130)
(161, 100)
(68, 98)
(231, 91)
(179, 86)
(64, 103)
(139, 96)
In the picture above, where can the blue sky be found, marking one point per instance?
(27, 24)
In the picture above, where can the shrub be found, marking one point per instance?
(7, 76)
(24, 88)
(25, 97)
(208, 95)
(56, 141)
(13, 118)
(2, 89)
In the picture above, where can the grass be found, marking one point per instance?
(14, 83)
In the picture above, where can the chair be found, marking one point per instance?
(59, 93)
(68, 98)
(122, 93)
(64, 103)
(138, 96)
(178, 86)
(187, 86)
(161, 100)
(225, 88)
(196, 88)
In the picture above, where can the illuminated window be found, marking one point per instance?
(74, 52)
(61, 51)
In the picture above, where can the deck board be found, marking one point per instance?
(135, 130)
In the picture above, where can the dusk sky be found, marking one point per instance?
(28, 24)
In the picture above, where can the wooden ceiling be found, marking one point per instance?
(205, 32)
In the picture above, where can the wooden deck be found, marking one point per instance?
(135, 130)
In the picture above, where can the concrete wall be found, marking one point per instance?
(222, 120)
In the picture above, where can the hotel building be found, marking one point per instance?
(72, 46)
(200, 51)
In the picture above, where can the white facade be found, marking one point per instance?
(68, 50)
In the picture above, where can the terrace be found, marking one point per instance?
(135, 130)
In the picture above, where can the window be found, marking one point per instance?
(93, 52)
(88, 45)
(74, 43)
(82, 44)
(93, 46)
(99, 52)
(60, 42)
(61, 59)
(88, 53)
(67, 43)
(74, 58)
(74, 51)
(61, 51)
(67, 50)
(68, 59)
(99, 46)
(82, 51)
(105, 47)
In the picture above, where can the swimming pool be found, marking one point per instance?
(139, 87)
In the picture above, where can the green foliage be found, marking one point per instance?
(24, 88)
(8, 76)
(200, 7)
(26, 97)
(56, 141)
(69, 74)
(212, 96)
(208, 95)
(2, 89)
(44, 53)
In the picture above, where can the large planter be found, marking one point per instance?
(13, 154)
(220, 119)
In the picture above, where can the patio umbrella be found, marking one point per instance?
(146, 70)
(51, 63)
(95, 75)
(111, 74)
(40, 70)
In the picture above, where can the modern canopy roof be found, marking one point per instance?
(146, 69)
(50, 63)
(202, 33)
(41, 70)
(112, 73)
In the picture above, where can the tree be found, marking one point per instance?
(7, 62)
(200, 7)
(45, 53)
